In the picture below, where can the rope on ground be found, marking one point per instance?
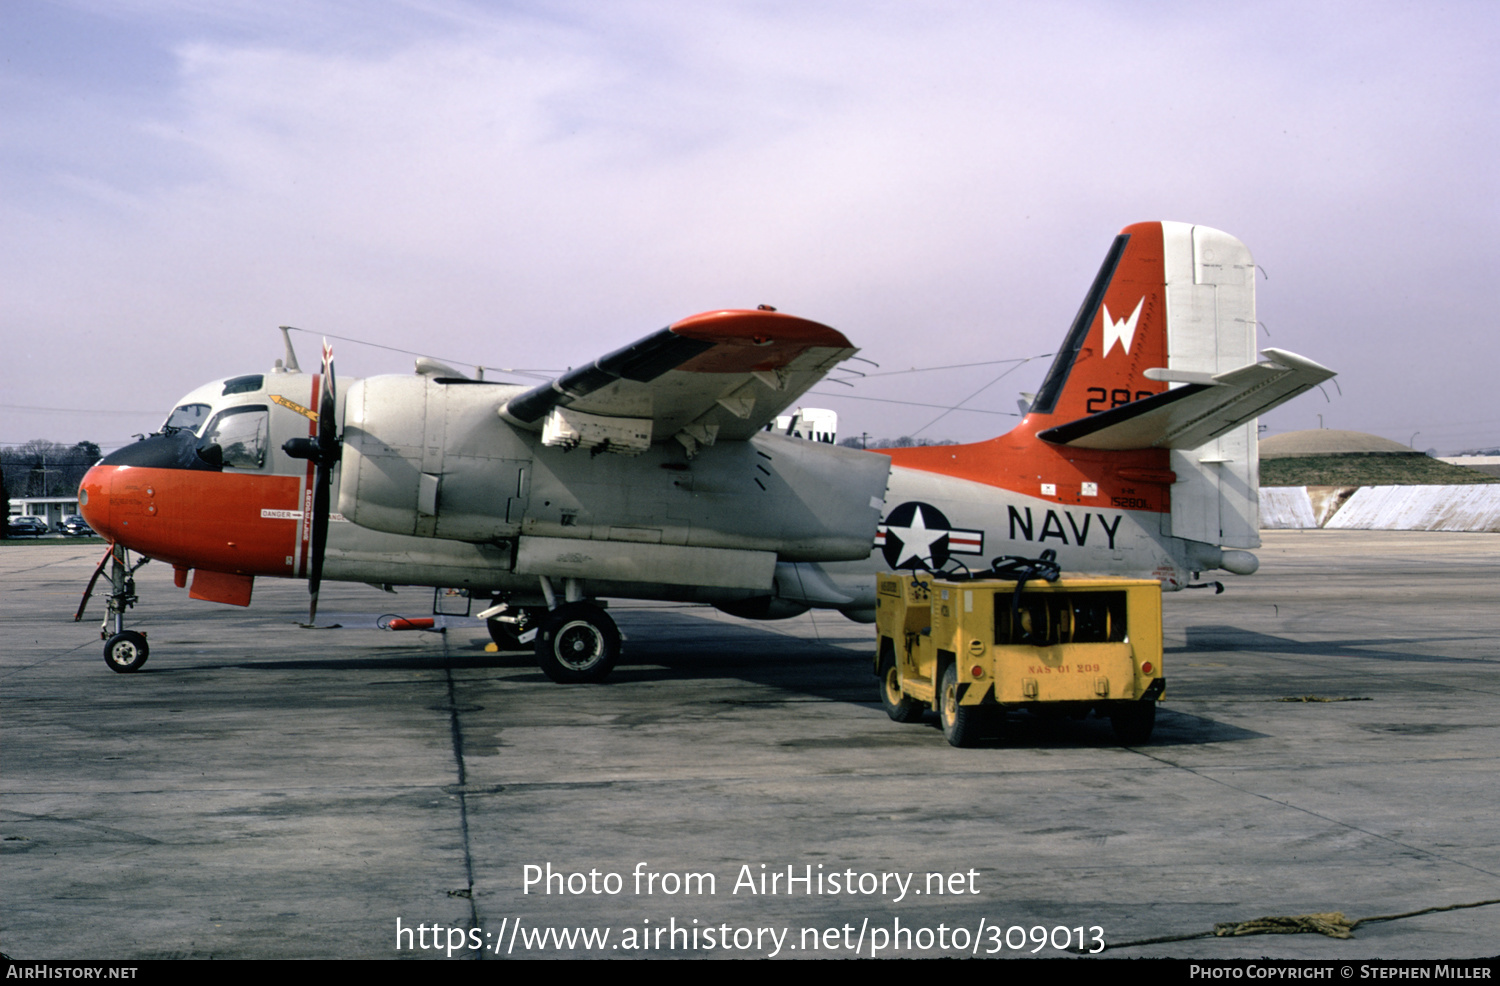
(1333, 924)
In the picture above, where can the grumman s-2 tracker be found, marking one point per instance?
(1019, 637)
(648, 474)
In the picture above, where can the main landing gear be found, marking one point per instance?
(124, 650)
(512, 627)
(576, 641)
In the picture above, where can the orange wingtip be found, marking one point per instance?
(759, 328)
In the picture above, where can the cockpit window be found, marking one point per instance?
(188, 417)
(242, 434)
(244, 385)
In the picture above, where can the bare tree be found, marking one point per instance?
(44, 468)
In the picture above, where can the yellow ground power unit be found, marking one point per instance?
(972, 649)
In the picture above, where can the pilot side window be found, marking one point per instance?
(188, 417)
(242, 434)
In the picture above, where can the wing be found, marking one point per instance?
(718, 376)
(1203, 408)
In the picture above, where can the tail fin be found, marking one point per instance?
(1150, 404)
(1119, 333)
(1162, 355)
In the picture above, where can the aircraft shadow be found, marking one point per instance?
(665, 646)
(661, 645)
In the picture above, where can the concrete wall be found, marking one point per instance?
(1381, 508)
(1286, 508)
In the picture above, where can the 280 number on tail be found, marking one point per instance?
(1101, 399)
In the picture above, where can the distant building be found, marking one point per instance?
(1489, 464)
(51, 509)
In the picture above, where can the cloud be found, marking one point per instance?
(532, 185)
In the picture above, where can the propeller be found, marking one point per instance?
(324, 452)
(329, 452)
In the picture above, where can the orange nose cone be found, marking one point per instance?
(93, 499)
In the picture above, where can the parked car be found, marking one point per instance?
(75, 526)
(21, 527)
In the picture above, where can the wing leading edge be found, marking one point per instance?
(719, 375)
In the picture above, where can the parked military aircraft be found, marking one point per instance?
(648, 472)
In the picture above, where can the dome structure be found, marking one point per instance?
(1329, 441)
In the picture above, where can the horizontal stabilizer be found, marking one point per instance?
(1200, 409)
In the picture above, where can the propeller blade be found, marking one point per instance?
(327, 426)
(329, 450)
(319, 537)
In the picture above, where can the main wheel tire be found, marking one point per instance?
(961, 723)
(126, 651)
(900, 706)
(507, 635)
(1133, 722)
(577, 643)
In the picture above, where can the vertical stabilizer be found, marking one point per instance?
(1172, 308)
(1120, 331)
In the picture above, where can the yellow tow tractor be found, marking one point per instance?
(1019, 637)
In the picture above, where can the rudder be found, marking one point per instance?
(1210, 279)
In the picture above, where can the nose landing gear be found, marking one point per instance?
(124, 650)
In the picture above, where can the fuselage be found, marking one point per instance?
(437, 490)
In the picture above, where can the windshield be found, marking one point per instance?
(242, 433)
(188, 417)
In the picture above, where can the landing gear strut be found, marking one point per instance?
(124, 650)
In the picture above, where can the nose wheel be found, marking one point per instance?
(124, 650)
